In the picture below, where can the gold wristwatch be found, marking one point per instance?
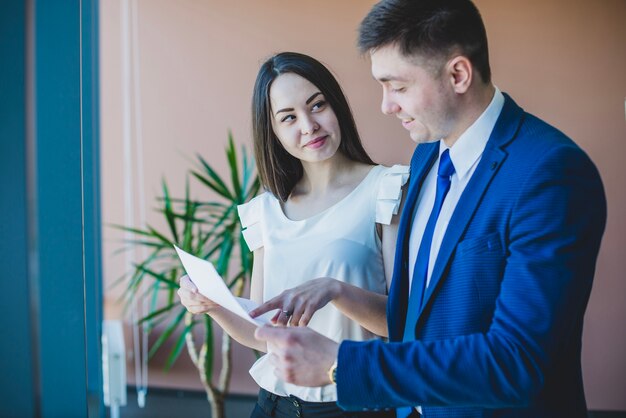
(332, 373)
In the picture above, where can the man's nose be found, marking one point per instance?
(388, 106)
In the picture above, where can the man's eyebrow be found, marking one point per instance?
(290, 109)
(387, 78)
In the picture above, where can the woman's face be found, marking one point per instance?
(303, 120)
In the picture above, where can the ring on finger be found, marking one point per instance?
(287, 313)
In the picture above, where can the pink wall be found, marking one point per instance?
(562, 60)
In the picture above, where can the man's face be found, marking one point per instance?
(419, 95)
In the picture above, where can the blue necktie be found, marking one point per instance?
(420, 272)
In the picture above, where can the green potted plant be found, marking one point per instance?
(210, 230)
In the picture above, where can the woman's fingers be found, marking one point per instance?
(196, 309)
(274, 319)
(277, 302)
(186, 283)
(194, 302)
(188, 296)
(297, 314)
(283, 318)
(306, 318)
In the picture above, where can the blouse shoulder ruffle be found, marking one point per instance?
(390, 193)
(250, 214)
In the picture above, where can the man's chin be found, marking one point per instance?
(420, 138)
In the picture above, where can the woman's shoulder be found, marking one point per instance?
(389, 191)
(251, 215)
(251, 211)
(380, 171)
(259, 200)
(391, 176)
(395, 170)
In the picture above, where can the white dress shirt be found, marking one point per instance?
(465, 155)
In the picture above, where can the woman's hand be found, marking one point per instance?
(191, 299)
(297, 305)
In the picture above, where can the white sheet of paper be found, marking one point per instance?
(210, 284)
(249, 305)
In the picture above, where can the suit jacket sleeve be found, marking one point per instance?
(553, 238)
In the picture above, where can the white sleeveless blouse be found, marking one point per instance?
(340, 242)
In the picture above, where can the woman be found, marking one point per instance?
(328, 213)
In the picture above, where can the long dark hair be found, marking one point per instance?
(430, 28)
(279, 171)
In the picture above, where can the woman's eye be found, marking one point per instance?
(318, 105)
(288, 118)
(398, 89)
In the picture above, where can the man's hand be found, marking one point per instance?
(301, 356)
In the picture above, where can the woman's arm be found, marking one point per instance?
(367, 308)
(241, 330)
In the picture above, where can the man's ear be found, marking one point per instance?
(461, 73)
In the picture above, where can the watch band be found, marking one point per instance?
(332, 373)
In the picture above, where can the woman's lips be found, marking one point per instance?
(317, 142)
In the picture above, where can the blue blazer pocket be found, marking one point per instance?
(480, 261)
(489, 243)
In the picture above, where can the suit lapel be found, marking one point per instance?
(504, 131)
(422, 160)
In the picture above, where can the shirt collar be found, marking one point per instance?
(471, 144)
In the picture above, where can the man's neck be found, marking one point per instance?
(471, 106)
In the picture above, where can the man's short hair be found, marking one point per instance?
(428, 28)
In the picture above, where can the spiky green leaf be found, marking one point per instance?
(178, 347)
(169, 212)
(157, 313)
(167, 333)
(233, 166)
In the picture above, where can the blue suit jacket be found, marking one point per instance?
(499, 333)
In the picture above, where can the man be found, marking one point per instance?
(497, 246)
